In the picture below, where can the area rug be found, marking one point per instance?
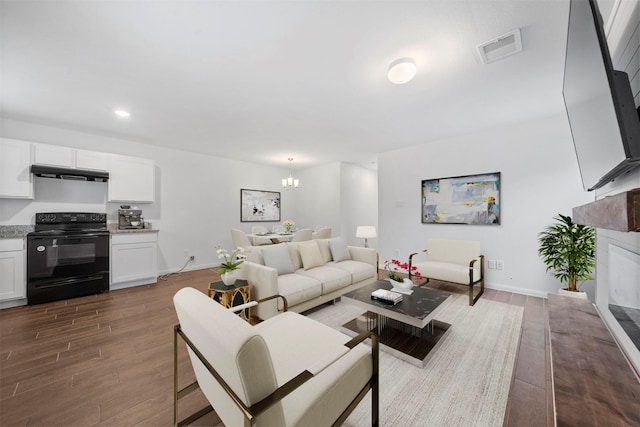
(467, 377)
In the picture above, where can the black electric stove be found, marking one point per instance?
(67, 256)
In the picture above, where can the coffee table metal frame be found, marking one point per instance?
(408, 330)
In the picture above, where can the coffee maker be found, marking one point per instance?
(130, 218)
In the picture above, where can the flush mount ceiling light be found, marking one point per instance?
(401, 70)
(122, 113)
(290, 183)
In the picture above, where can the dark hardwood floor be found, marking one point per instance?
(107, 360)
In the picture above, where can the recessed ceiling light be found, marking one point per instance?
(122, 113)
(402, 70)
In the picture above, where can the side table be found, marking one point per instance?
(229, 296)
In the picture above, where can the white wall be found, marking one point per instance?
(359, 202)
(540, 179)
(339, 195)
(318, 197)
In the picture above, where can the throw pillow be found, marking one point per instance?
(277, 256)
(324, 250)
(339, 249)
(310, 254)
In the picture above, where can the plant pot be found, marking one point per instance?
(573, 294)
(230, 277)
(402, 287)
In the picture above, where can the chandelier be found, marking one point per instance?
(289, 182)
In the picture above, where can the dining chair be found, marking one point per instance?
(302, 235)
(239, 239)
(321, 233)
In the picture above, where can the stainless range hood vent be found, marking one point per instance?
(67, 173)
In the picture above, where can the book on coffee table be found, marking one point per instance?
(386, 296)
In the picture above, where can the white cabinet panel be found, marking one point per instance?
(134, 259)
(53, 155)
(92, 160)
(131, 179)
(13, 278)
(15, 177)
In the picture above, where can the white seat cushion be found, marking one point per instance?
(359, 270)
(447, 271)
(297, 343)
(331, 278)
(297, 289)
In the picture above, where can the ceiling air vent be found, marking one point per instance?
(500, 47)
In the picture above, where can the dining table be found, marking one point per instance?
(281, 237)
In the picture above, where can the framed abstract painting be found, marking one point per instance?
(469, 199)
(258, 205)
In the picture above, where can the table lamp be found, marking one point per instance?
(366, 232)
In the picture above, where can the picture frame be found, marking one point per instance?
(259, 205)
(468, 199)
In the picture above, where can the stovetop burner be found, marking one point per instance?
(70, 222)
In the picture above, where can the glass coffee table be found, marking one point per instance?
(408, 330)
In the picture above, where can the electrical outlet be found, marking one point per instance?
(492, 264)
(396, 253)
(192, 258)
(500, 264)
(186, 253)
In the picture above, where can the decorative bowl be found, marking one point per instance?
(402, 287)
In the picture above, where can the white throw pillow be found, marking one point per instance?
(310, 254)
(277, 256)
(339, 249)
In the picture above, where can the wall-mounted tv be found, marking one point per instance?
(599, 101)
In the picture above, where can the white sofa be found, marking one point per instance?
(456, 261)
(306, 273)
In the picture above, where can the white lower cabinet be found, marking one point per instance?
(134, 259)
(13, 276)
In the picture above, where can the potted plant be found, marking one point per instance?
(568, 250)
(394, 267)
(231, 262)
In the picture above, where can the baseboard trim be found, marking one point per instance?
(515, 290)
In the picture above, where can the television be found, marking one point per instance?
(602, 115)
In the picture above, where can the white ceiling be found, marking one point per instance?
(267, 80)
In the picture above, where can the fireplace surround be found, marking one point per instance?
(617, 220)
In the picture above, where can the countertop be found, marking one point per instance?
(21, 231)
(113, 228)
(15, 231)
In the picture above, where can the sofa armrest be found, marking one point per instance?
(368, 255)
(264, 283)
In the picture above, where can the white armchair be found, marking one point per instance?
(286, 371)
(456, 261)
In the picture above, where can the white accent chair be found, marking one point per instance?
(260, 240)
(239, 239)
(288, 370)
(302, 235)
(456, 261)
(321, 233)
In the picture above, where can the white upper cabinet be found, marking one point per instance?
(15, 176)
(92, 160)
(55, 155)
(131, 179)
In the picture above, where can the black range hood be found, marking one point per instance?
(67, 173)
